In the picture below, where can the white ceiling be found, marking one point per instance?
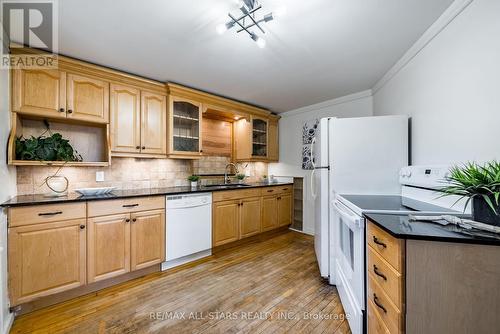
(322, 49)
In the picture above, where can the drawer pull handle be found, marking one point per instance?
(378, 273)
(270, 191)
(285, 189)
(130, 205)
(51, 213)
(380, 243)
(375, 300)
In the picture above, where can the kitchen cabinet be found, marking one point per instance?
(46, 258)
(125, 235)
(225, 222)
(87, 98)
(184, 128)
(108, 247)
(273, 140)
(147, 237)
(269, 213)
(255, 139)
(60, 95)
(385, 285)
(250, 218)
(138, 122)
(125, 124)
(285, 209)
(39, 92)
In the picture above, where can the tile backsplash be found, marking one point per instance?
(131, 173)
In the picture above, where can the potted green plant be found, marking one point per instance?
(479, 184)
(240, 177)
(264, 179)
(194, 180)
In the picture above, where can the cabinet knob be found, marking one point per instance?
(134, 220)
(70, 111)
(144, 147)
(82, 227)
(137, 147)
(127, 220)
(61, 110)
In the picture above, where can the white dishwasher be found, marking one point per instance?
(188, 228)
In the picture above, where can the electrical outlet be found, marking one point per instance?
(99, 176)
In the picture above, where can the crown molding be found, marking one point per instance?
(453, 11)
(329, 103)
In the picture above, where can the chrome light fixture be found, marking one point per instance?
(247, 21)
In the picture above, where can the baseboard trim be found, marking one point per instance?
(8, 323)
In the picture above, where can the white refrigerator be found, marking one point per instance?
(354, 156)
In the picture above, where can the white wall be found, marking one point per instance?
(451, 88)
(290, 138)
(7, 189)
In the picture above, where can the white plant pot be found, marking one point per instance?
(194, 184)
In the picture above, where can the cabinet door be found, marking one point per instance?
(259, 138)
(147, 235)
(273, 146)
(125, 122)
(154, 123)
(39, 92)
(269, 213)
(242, 139)
(250, 217)
(185, 127)
(88, 99)
(108, 248)
(284, 209)
(225, 222)
(45, 259)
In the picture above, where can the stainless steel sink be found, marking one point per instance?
(228, 185)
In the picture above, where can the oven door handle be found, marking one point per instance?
(353, 218)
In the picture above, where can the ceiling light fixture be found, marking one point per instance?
(248, 20)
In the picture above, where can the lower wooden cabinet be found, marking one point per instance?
(250, 217)
(269, 213)
(108, 248)
(122, 243)
(225, 222)
(285, 207)
(147, 239)
(45, 259)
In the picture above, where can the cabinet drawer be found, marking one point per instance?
(384, 307)
(20, 216)
(375, 323)
(388, 247)
(389, 279)
(276, 190)
(124, 205)
(228, 195)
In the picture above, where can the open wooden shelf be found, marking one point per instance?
(90, 141)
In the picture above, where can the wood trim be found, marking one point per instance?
(254, 239)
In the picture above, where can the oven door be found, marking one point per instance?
(348, 262)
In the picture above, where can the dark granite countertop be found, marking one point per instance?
(25, 200)
(400, 227)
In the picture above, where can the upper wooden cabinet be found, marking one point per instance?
(59, 94)
(184, 128)
(255, 139)
(39, 92)
(153, 123)
(138, 122)
(87, 98)
(125, 119)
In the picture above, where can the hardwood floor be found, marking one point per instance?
(270, 286)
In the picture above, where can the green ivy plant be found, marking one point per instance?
(193, 178)
(53, 148)
(472, 180)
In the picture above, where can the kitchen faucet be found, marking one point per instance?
(227, 180)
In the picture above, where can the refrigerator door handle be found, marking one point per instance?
(313, 142)
(313, 190)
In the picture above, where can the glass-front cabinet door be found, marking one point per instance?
(259, 138)
(185, 127)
